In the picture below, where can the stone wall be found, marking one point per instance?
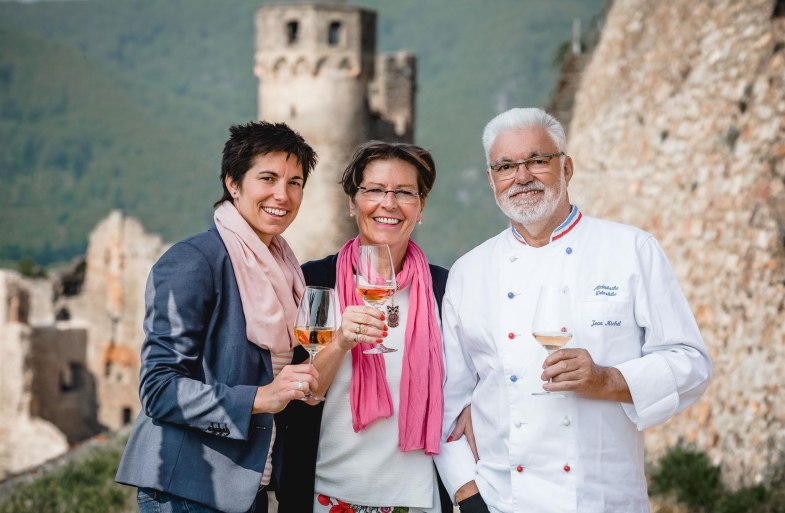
(110, 305)
(24, 440)
(679, 128)
(63, 389)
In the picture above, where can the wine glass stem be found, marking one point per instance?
(550, 352)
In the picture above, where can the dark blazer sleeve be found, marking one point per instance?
(439, 279)
(179, 300)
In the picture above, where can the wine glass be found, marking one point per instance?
(551, 326)
(316, 324)
(375, 281)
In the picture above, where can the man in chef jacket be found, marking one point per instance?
(636, 357)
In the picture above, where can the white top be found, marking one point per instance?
(565, 454)
(367, 468)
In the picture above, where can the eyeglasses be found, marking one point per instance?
(537, 164)
(376, 195)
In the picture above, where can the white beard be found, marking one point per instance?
(525, 211)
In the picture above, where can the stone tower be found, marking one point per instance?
(319, 73)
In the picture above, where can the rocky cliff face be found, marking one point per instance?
(679, 128)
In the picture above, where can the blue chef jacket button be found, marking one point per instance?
(510, 295)
(568, 250)
(513, 378)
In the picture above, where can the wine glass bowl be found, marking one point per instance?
(316, 324)
(375, 282)
(551, 326)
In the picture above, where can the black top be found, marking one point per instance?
(301, 422)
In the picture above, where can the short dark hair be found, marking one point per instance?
(248, 141)
(367, 152)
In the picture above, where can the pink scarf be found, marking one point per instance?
(422, 403)
(270, 280)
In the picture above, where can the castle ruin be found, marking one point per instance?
(71, 345)
(319, 72)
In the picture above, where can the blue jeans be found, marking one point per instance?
(153, 501)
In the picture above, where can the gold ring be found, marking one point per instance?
(356, 338)
(357, 330)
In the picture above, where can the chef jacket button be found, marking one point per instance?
(566, 468)
(513, 258)
(510, 295)
(519, 468)
(518, 424)
(568, 250)
(511, 335)
(566, 421)
(513, 378)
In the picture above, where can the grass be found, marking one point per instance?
(83, 486)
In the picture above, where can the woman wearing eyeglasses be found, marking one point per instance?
(368, 447)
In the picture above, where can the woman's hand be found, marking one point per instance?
(463, 426)
(291, 383)
(361, 324)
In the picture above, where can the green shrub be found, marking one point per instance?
(689, 476)
(28, 267)
(745, 500)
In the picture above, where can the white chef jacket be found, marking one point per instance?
(564, 454)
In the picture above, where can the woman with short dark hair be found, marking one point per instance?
(220, 311)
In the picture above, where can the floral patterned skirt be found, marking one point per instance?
(325, 504)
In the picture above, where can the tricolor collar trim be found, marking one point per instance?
(563, 229)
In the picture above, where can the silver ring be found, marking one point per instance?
(357, 330)
(299, 385)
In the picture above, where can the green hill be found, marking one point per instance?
(126, 105)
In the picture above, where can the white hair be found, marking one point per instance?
(515, 119)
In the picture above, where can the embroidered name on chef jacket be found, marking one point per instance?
(606, 323)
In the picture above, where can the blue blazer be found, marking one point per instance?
(195, 436)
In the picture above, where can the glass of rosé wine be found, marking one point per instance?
(551, 326)
(375, 281)
(316, 324)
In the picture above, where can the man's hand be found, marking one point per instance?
(574, 370)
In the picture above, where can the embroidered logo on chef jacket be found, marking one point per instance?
(606, 290)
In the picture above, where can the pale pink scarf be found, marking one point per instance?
(421, 405)
(270, 280)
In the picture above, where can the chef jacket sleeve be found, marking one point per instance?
(455, 460)
(674, 367)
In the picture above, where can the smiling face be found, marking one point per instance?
(528, 199)
(387, 221)
(269, 194)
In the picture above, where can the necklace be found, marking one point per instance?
(392, 314)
